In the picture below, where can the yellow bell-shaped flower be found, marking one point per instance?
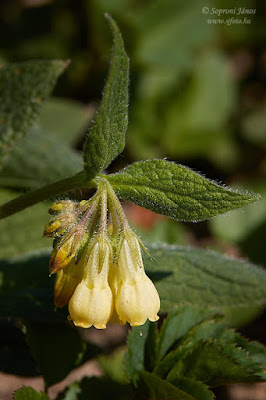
(67, 280)
(136, 298)
(92, 301)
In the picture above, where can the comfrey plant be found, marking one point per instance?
(98, 260)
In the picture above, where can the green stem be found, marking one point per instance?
(104, 211)
(115, 219)
(115, 201)
(44, 193)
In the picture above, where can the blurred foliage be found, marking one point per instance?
(197, 96)
(197, 89)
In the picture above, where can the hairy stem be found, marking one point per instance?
(44, 193)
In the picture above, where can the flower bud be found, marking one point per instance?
(59, 224)
(62, 206)
(92, 301)
(66, 249)
(136, 298)
(61, 255)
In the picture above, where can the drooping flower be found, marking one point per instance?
(98, 261)
(92, 301)
(136, 298)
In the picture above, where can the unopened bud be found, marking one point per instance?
(62, 206)
(59, 224)
(65, 250)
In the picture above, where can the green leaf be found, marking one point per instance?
(176, 191)
(23, 231)
(28, 393)
(203, 277)
(197, 351)
(23, 88)
(180, 274)
(39, 160)
(112, 365)
(175, 341)
(106, 139)
(135, 357)
(157, 388)
(177, 324)
(65, 119)
(212, 363)
(257, 352)
(26, 289)
(197, 389)
(57, 349)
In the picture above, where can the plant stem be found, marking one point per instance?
(114, 201)
(44, 193)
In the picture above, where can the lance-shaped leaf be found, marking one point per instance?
(107, 136)
(176, 191)
(23, 88)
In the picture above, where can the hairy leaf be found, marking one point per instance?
(176, 191)
(28, 393)
(106, 139)
(23, 88)
(180, 274)
(200, 349)
(203, 277)
(177, 324)
(212, 363)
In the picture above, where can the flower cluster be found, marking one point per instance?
(98, 261)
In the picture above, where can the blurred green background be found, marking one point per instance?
(197, 96)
